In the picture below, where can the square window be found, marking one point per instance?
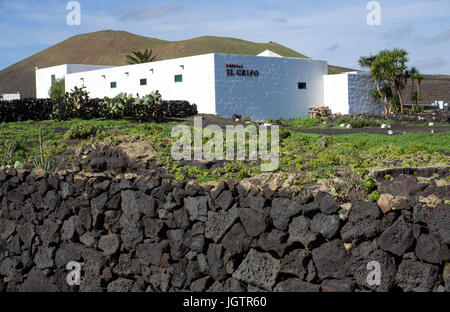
(179, 78)
(113, 85)
(302, 85)
(143, 82)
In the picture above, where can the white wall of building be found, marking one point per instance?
(336, 93)
(44, 76)
(197, 85)
(360, 85)
(44, 79)
(274, 93)
(349, 93)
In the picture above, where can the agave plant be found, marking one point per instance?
(46, 164)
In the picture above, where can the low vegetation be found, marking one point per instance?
(311, 157)
(337, 122)
(78, 104)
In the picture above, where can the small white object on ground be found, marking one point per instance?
(349, 126)
(390, 132)
(432, 130)
(267, 125)
(383, 126)
(431, 124)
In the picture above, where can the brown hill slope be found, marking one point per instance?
(111, 47)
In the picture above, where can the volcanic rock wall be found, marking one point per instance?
(150, 233)
(432, 88)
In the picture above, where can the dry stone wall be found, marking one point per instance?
(150, 233)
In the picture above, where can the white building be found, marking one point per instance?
(46, 76)
(261, 87)
(349, 93)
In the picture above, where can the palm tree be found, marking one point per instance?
(141, 57)
(416, 78)
(389, 67)
(381, 95)
(394, 63)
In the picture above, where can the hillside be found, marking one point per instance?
(111, 47)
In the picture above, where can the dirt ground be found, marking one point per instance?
(397, 127)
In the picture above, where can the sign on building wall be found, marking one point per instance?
(239, 70)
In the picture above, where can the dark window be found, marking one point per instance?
(113, 85)
(143, 82)
(179, 78)
(53, 79)
(302, 85)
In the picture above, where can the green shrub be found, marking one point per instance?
(58, 89)
(244, 173)
(81, 131)
(114, 108)
(374, 196)
(417, 109)
(71, 105)
(284, 134)
(147, 107)
(308, 123)
(125, 105)
(7, 151)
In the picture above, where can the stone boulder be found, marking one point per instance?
(258, 269)
(362, 256)
(363, 222)
(397, 238)
(300, 231)
(416, 276)
(296, 285)
(282, 211)
(331, 260)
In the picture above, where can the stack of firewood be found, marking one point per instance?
(318, 112)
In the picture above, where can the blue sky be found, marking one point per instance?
(336, 31)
